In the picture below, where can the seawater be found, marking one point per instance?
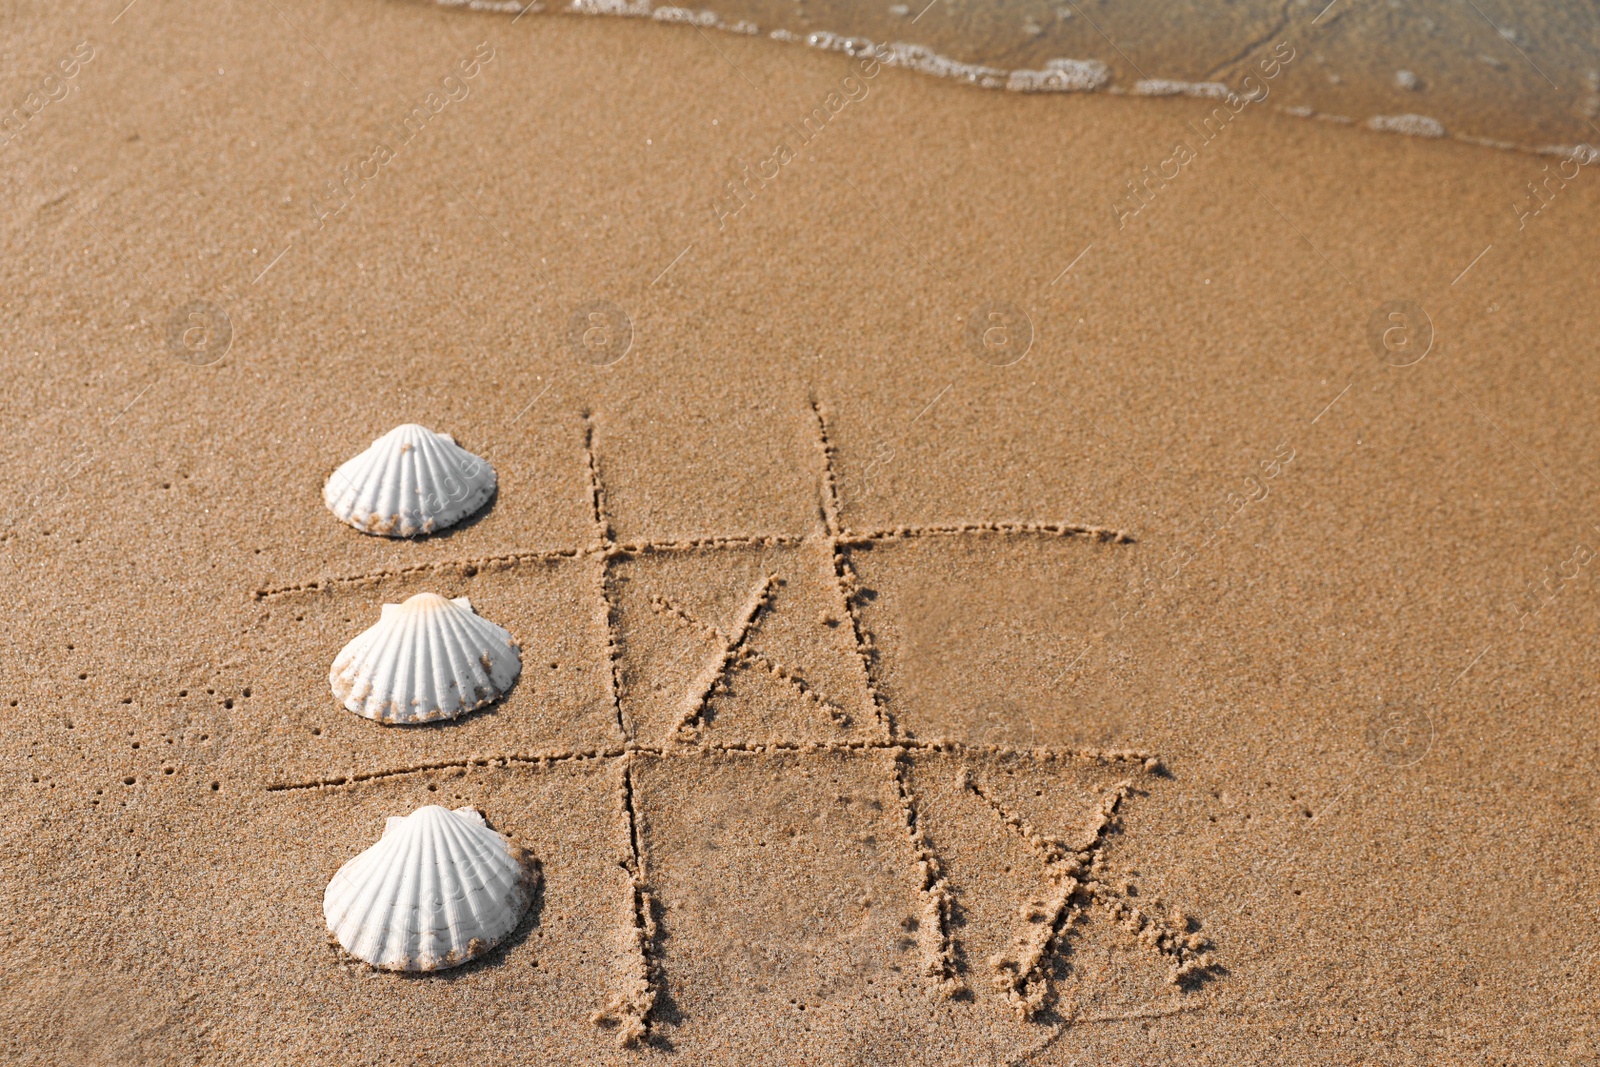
(1524, 77)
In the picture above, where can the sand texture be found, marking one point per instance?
(1000, 578)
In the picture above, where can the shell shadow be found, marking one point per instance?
(466, 522)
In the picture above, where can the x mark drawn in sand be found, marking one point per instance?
(1076, 872)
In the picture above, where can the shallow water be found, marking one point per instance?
(1525, 77)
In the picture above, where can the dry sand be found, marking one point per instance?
(1353, 613)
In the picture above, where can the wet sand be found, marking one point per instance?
(1196, 502)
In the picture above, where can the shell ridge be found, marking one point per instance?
(464, 678)
(348, 479)
(398, 945)
(502, 875)
(361, 663)
(446, 679)
(495, 864)
(419, 935)
(474, 484)
(336, 673)
(435, 936)
(411, 689)
(447, 668)
(477, 475)
(453, 490)
(448, 663)
(382, 509)
(428, 659)
(491, 640)
(368, 674)
(467, 634)
(470, 471)
(504, 655)
(436, 890)
(410, 481)
(375, 889)
(518, 880)
(423, 473)
(353, 882)
(337, 488)
(345, 676)
(355, 475)
(369, 489)
(414, 679)
(439, 480)
(392, 673)
(509, 885)
(392, 496)
(467, 867)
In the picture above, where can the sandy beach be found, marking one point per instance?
(906, 492)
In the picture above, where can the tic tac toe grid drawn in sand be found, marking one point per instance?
(659, 732)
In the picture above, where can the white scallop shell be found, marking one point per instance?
(411, 481)
(429, 658)
(438, 889)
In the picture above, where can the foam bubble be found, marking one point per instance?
(1414, 125)
(706, 19)
(1171, 87)
(1583, 154)
(1061, 76)
(504, 6)
(628, 8)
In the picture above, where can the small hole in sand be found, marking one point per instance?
(215, 786)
